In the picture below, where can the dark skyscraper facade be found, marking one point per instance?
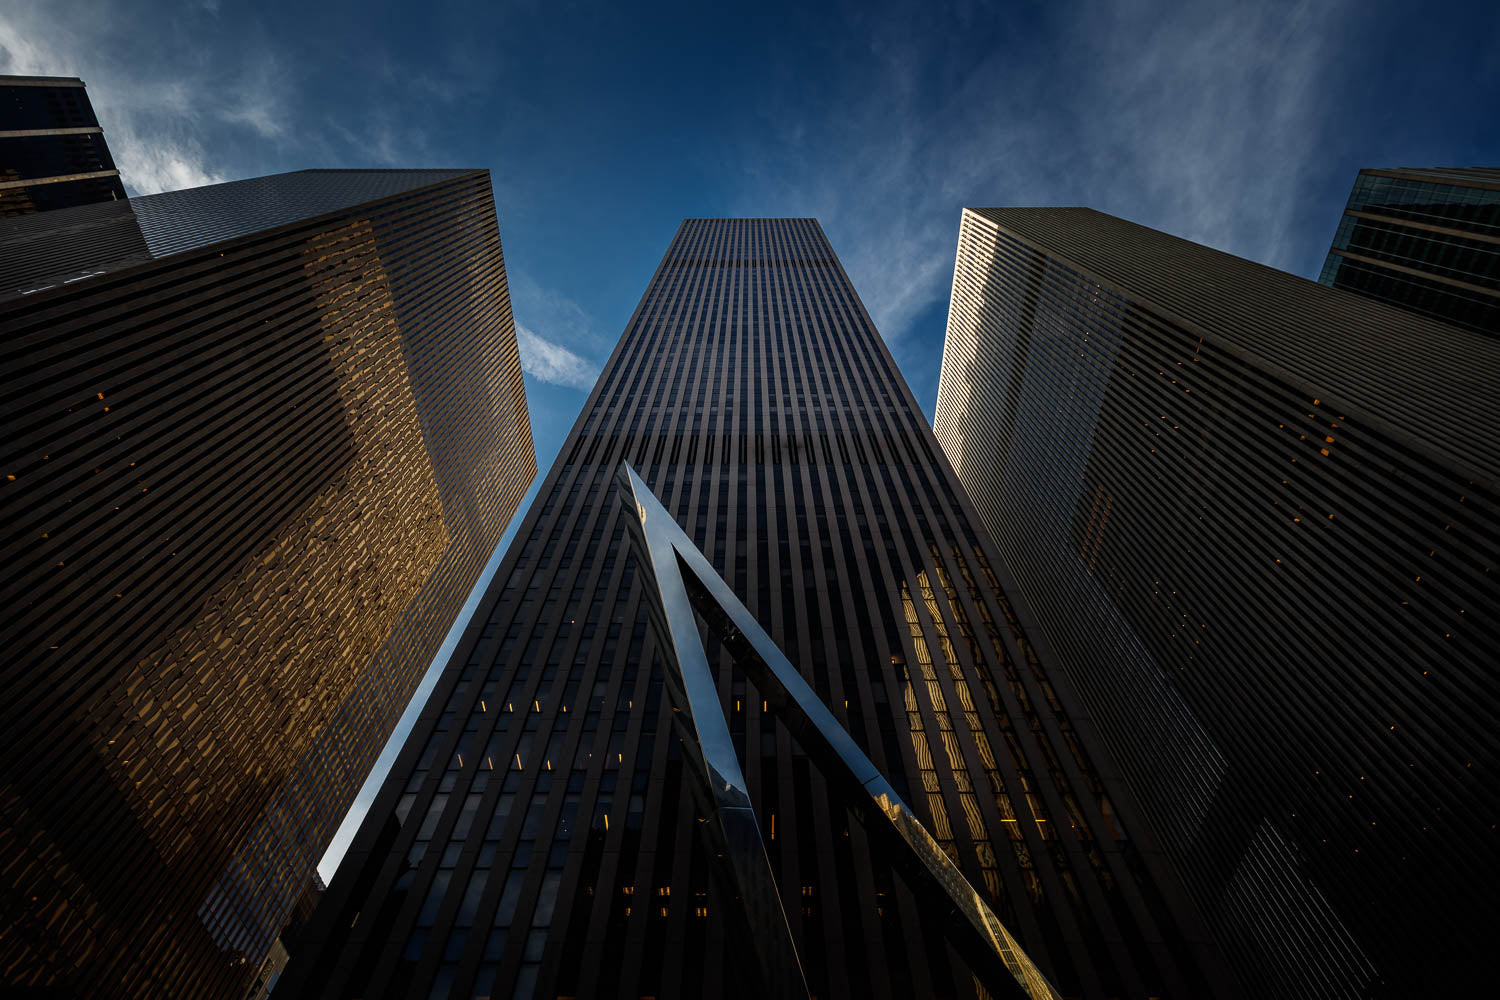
(260, 439)
(1427, 240)
(52, 150)
(539, 835)
(1259, 521)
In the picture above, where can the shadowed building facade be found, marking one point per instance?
(52, 150)
(1427, 240)
(260, 439)
(1259, 521)
(540, 835)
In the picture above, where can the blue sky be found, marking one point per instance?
(1236, 124)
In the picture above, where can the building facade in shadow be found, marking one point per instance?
(52, 148)
(1424, 239)
(541, 833)
(1259, 522)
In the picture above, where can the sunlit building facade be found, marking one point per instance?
(1427, 240)
(260, 439)
(1258, 521)
(540, 835)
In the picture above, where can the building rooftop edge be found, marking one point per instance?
(41, 81)
(750, 218)
(1270, 315)
(1480, 177)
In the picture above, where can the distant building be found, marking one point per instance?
(259, 440)
(52, 150)
(1427, 240)
(1259, 522)
(542, 832)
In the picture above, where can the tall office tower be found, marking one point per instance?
(1427, 240)
(1259, 521)
(259, 440)
(52, 150)
(539, 834)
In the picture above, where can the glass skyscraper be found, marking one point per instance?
(1259, 521)
(52, 149)
(1427, 240)
(260, 439)
(539, 834)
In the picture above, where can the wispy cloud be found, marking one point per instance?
(159, 162)
(562, 357)
(1212, 116)
(256, 100)
(554, 363)
(159, 116)
(1176, 116)
(545, 308)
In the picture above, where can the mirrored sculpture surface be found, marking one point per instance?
(683, 586)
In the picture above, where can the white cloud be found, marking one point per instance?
(554, 363)
(562, 357)
(563, 318)
(155, 159)
(157, 116)
(1212, 116)
(1196, 119)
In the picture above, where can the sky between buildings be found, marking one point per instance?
(1236, 124)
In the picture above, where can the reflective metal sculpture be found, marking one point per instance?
(683, 585)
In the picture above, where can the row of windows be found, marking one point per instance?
(1172, 542)
(798, 541)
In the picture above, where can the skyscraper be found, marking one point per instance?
(1427, 240)
(52, 150)
(539, 835)
(260, 438)
(1257, 519)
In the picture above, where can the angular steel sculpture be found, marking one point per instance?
(683, 585)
